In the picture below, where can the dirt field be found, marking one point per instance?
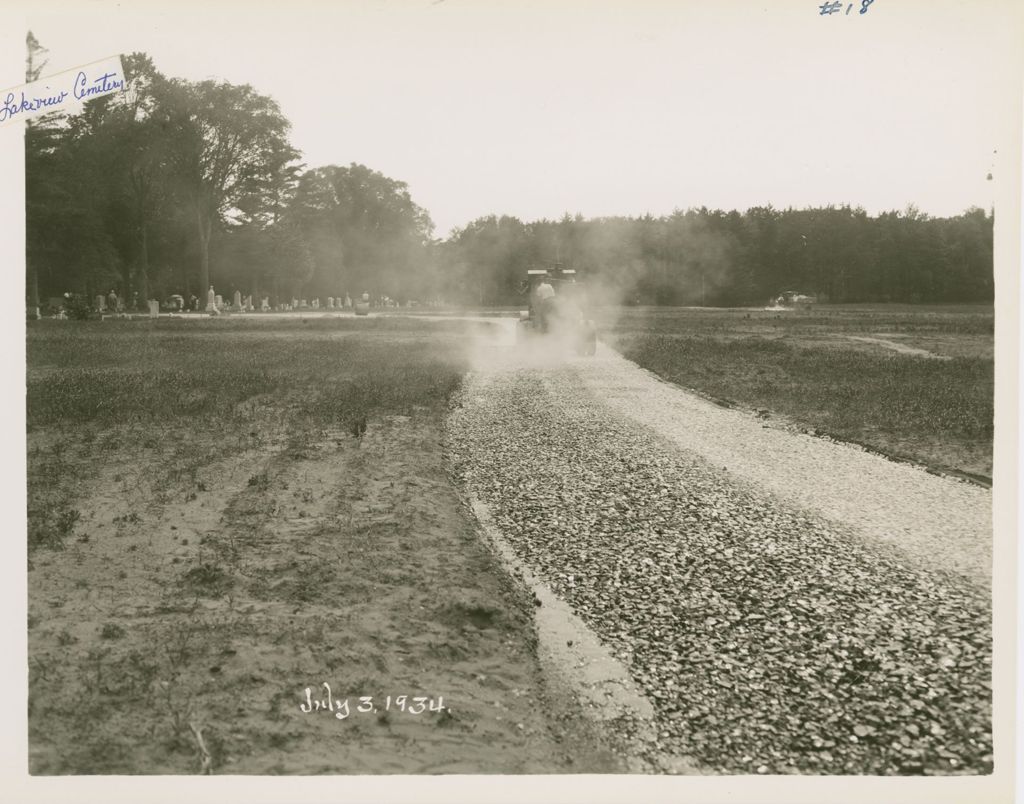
(250, 538)
(226, 513)
(911, 382)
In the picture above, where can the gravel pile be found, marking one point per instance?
(769, 639)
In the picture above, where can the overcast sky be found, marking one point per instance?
(539, 108)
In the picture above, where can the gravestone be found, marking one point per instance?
(315, 304)
(330, 302)
(154, 308)
(237, 302)
(218, 302)
(265, 304)
(348, 300)
(211, 301)
(100, 303)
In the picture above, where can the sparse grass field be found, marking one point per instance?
(849, 372)
(224, 513)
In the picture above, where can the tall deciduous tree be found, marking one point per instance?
(231, 153)
(125, 138)
(34, 63)
(364, 231)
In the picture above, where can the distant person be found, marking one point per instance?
(112, 301)
(544, 297)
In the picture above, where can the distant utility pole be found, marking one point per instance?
(33, 70)
(805, 273)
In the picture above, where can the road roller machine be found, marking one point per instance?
(558, 310)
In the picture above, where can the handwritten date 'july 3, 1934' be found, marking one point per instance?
(342, 707)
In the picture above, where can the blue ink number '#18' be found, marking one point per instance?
(828, 9)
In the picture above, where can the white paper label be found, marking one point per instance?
(65, 91)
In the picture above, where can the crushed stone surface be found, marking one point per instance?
(945, 523)
(788, 605)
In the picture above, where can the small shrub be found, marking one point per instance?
(65, 638)
(46, 530)
(111, 631)
(66, 521)
(208, 579)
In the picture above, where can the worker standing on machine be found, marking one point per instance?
(544, 303)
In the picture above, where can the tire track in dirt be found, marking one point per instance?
(901, 348)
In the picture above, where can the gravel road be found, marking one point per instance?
(944, 523)
(789, 605)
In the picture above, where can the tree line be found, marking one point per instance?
(174, 185)
(718, 258)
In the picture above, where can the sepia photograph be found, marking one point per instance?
(570, 400)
